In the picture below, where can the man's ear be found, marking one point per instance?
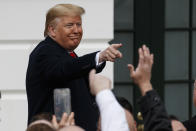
(52, 30)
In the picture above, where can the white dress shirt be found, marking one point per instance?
(112, 114)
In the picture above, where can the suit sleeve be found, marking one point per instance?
(154, 113)
(190, 124)
(55, 65)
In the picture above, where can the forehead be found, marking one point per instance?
(72, 19)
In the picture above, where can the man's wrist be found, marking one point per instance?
(101, 57)
(145, 87)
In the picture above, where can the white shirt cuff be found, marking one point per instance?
(97, 59)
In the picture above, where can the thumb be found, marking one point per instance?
(71, 116)
(131, 68)
(54, 122)
(116, 46)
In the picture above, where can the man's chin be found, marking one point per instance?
(74, 47)
(76, 41)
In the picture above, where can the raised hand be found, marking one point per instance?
(142, 75)
(66, 120)
(98, 83)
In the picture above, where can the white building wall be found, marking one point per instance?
(21, 29)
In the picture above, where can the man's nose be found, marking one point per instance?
(75, 29)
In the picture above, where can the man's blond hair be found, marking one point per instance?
(60, 10)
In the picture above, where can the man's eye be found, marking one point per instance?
(69, 25)
(79, 24)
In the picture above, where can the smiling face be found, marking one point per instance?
(67, 31)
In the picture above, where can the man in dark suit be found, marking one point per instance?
(53, 64)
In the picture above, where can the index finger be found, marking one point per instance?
(63, 119)
(116, 46)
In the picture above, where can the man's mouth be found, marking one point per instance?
(74, 37)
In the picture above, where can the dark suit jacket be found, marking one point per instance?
(50, 66)
(154, 113)
(190, 124)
